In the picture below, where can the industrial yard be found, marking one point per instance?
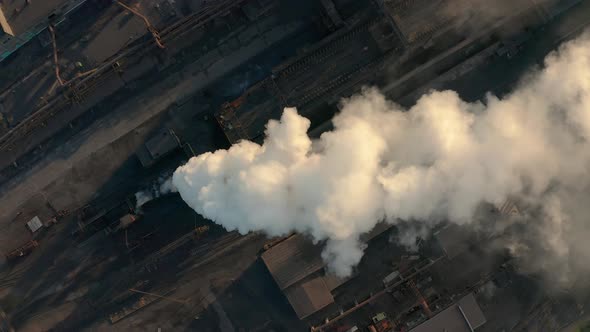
(101, 101)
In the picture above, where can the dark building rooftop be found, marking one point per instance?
(161, 144)
(463, 316)
(292, 260)
(309, 296)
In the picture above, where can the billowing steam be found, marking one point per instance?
(162, 186)
(437, 161)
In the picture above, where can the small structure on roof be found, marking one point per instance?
(34, 224)
(390, 278)
(160, 145)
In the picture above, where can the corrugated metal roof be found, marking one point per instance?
(309, 297)
(35, 224)
(292, 260)
(463, 316)
(332, 281)
(471, 311)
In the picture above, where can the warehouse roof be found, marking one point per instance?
(309, 296)
(463, 316)
(471, 311)
(292, 260)
(297, 257)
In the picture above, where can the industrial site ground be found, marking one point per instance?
(197, 276)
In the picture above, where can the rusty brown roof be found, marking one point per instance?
(292, 260)
(309, 297)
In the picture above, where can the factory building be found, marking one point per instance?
(297, 267)
(22, 20)
(463, 316)
(292, 260)
(160, 145)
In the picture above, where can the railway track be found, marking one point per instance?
(323, 53)
(77, 90)
(11, 278)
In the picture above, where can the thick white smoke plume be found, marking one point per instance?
(437, 161)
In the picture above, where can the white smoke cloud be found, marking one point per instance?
(162, 186)
(410, 234)
(141, 198)
(166, 186)
(437, 161)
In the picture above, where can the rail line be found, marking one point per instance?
(75, 91)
